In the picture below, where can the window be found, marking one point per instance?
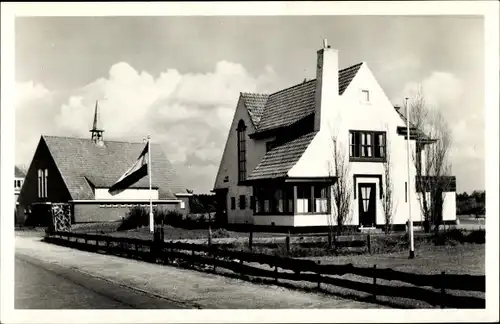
(243, 202)
(367, 145)
(321, 198)
(18, 184)
(233, 203)
(252, 202)
(273, 200)
(304, 199)
(365, 96)
(279, 201)
(42, 183)
(242, 169)
(182, 205)
(313, 198)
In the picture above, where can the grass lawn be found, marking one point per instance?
(429, 259)
(171, 233)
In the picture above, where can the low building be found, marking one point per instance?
(18, 183)
(79, 171)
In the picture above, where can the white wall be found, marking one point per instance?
(229, 166)
(127, 194)
(278, 220)
(342, 113)
(450, 206)
(353, 114)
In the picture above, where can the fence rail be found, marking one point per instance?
(291, 269)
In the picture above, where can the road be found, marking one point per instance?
(48, 276)
(40, 285)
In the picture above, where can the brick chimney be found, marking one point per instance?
(327, 85)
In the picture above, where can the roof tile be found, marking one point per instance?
(80, 161)
(255, 103)
(278, 161)
(289, 105)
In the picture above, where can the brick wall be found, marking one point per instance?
(99, 212)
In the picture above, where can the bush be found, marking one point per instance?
(220, 233)
(136, 217)
(171, 217)
(456, 236)
(477, 237)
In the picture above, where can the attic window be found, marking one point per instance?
(365, 96)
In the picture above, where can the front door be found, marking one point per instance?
(221, 206)
(367, 204)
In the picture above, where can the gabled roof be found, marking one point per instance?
(287, 106)
(414, 132)
(18, 173)
(255, 103)
(84, 165)
(278, 161)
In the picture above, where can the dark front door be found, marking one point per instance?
(221, 206)
(367, 204)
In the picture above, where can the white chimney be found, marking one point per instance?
(327, 85)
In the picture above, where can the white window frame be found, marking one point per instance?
(365, 96)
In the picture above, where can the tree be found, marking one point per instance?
(433, 141)
(339, 168)
(388, 204)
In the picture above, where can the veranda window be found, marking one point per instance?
(304, 199)
(321, 198)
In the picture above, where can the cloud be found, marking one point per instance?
(399, 65)
(29, 91)
(444, 92)
(189, 114)
(441, 90)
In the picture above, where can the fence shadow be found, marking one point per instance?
(200, 258)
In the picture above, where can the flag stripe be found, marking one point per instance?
(136, 172)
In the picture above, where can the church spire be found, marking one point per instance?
(96, 127)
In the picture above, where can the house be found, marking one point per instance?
(276, 168)
(18, 183)
(79, 171)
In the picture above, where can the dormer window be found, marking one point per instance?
(365, 96)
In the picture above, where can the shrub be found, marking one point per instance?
(451, 237)
(136, 217)
(477, 237)
(220, 233)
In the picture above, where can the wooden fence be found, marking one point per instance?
(433, 289)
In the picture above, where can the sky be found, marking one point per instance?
(179, 78)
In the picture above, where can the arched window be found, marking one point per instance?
(242, 150)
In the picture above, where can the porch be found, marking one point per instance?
(292, 202)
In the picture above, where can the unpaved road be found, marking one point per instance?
(68, 278)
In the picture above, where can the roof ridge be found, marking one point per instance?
(88, 139)
(254, 93)
(295, 85)
(298, 84)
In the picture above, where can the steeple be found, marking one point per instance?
(96, 127)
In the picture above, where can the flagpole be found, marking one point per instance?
(151, 218)
(410, 221)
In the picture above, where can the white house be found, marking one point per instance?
(276, 168)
